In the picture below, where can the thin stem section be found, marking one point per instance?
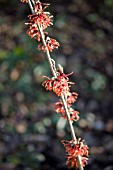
(47, 52)
(30, 5)
(80, 163)
(68, 117)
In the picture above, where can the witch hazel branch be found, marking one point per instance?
(39, 21)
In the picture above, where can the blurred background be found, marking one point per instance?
(30, 130)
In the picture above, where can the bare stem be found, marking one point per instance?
(30, 5)
(55, 75)
(47, 52)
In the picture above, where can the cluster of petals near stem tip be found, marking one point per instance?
(75, 148)
(41, 20)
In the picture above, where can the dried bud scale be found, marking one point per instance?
(39, 21)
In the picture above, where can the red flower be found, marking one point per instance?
(48, 84)
(73, 115)
(71, 98)
(43, 19)
(61, 85)
(58, 86)
(59, 108)
(75, 149)
(72, 162)
(33, 32)
(50, 45)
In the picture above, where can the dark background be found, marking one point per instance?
(30, 130)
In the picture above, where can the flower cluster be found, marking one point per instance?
(50, 44)
(61, 86)
(41, 19)
(75, 149)
(59, 108)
